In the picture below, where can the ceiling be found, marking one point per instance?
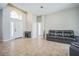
(2, 5)
(47, 7)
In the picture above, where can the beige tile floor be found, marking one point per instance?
(33, 47)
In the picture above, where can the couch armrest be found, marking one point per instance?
(76, 44)
(74, 50)
(47, 35)
(77, 38)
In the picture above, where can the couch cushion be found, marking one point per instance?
(52, 37)
(76, 44)
(67, 35)
(51, 31)
(67, 38)
(59, 34)
(52, 34)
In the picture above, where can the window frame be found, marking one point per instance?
(15, 15)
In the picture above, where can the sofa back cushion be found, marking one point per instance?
(52, 32)
(63, 33)
(58, 33)
(68, 33)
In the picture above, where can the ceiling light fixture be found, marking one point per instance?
(41, 7)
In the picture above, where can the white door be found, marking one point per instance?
(16, 29)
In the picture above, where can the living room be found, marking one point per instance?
(39, 28)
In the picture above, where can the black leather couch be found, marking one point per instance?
(65, 36)
(74, 48)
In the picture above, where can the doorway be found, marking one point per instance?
(39, 27)
(16, 29)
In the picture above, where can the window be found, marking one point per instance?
(15, 15)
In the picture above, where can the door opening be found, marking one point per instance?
(39, 26)
(16, 29)
(12, 30)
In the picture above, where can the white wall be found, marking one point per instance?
(0, 24)
(29, 21)
(25, 21)
(43, 25)
(34, 27)
(6, 24)
(63, 20)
